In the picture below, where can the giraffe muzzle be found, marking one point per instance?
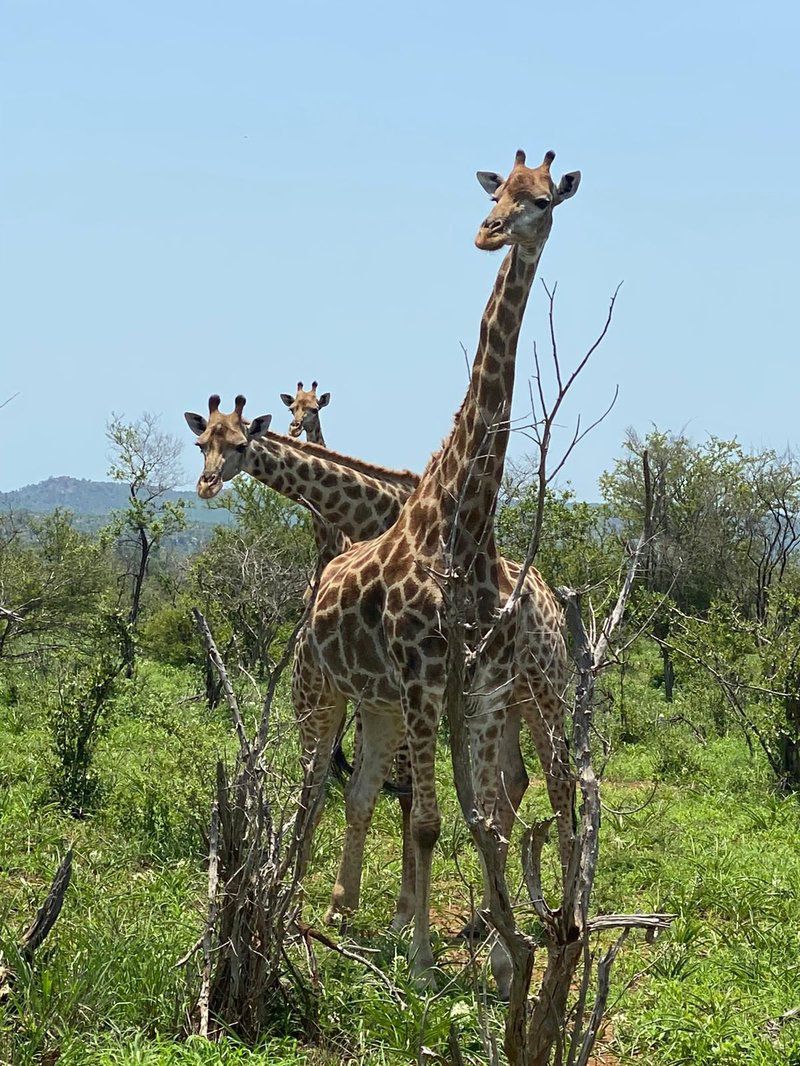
(208, 486)
(492, 235)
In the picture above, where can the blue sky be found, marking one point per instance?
(204, 197)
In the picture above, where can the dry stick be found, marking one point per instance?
(544, 437)
(208, 935)
(48, 913)
(227, 688)
(603, 980)
(735, 703)
(519, 947)
(45, 919)
(250, 916)
(308, 932)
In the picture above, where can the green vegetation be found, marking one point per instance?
(701, 817)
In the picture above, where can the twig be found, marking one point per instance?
(307, 931)
(208, 935)
(227, 687)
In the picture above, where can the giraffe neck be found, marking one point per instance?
(358, 499)
(314, 435)
(464, 477)
(330, 539)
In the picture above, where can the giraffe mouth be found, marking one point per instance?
(208, 486)
(490, 240)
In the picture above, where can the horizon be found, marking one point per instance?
(202, 201)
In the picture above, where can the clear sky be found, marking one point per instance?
(221, 197)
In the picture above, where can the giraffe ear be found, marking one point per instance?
(196, 423)
(258, 427)
(568, 186)
(287, 399)
(489, 181)
(324, 400)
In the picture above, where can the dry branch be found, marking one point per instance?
(46, 917)
(538, 1027)
(257, 856)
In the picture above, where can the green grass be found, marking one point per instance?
(691, 829)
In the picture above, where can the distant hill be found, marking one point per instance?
(92, 501)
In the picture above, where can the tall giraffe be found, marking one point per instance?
(374, 632)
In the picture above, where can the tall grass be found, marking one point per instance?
(711, 843)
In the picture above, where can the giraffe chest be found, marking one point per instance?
(375, 628)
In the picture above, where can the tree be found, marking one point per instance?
(724, 524)
(252, 576)
(578, 541)
(52, 577)
(145, 459)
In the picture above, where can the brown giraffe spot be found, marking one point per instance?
(370, 571)
(506, 318)
(349, 592)
(325, 624)
(492, 365)
(394, 600)
(372, 602)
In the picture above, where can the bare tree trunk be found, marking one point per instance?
(46, 917)
(136, 600)
(790, 742)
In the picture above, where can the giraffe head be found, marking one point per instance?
(223, 440)
(523, 203)
(305, 407)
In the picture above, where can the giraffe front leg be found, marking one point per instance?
(320, 714)
(404, 910)
(381, 733)
(421, 713)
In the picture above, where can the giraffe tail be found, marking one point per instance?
(342, 770)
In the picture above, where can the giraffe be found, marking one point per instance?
(362, 500)
(374, 635)
(332, 541)
(305, 407)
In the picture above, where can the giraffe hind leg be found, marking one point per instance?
(381, 734)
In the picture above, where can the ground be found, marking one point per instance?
(696, 830)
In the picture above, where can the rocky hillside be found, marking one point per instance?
(94, 499)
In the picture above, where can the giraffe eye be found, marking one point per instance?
(241, 448)
(542, 203)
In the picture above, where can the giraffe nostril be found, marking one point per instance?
(493, 225)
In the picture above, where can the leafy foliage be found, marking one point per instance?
(701, 816)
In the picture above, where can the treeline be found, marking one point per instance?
(718, 596)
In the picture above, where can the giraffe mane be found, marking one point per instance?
(402, 478)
